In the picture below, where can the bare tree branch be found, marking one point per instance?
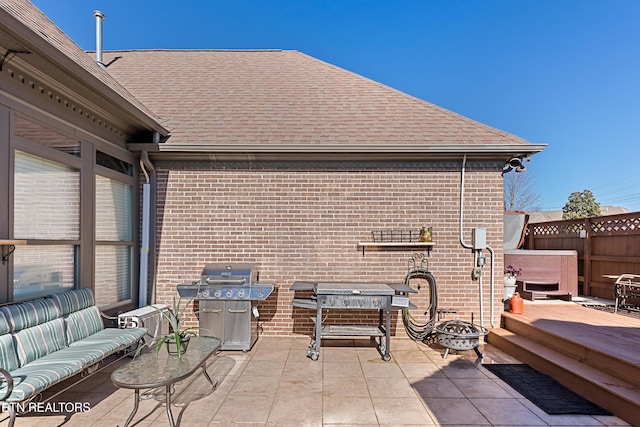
(520, 192)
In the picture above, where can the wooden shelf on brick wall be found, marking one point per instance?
(381, 246)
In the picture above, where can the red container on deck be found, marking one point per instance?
(516, 304)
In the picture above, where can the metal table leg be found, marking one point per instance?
(387, 348)
(168, 403)
(378, 340)
(136, 403)
(315, 352)
(384, 346)
(206, 375)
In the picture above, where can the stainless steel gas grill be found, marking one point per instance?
(352, 295)
(228, 296)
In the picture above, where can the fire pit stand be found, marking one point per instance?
(459, 335)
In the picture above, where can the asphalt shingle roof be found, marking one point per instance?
(222, 97)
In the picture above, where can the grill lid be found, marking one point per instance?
(353, 288)
(241, 274)
(225, 281)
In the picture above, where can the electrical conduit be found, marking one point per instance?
(475, 258)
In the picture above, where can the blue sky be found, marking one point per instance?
(560, 72)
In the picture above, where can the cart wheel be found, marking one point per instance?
(386, 357)
(314, 356)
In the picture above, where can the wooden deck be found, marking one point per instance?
(613, 334)
(592, 352)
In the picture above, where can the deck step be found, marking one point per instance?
(576, 345)
(614, 394)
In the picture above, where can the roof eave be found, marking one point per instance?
(37, 45)
(281, 151)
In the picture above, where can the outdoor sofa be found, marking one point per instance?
(47, 340)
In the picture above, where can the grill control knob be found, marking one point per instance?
(347, 302)
(376, 303)
(331, 301)
(241, 293)
(229, 294)
(361, 303)
(217, 293)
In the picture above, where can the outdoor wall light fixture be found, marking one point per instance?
(514, 163)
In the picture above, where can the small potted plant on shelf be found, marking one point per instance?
(176, 340)
(510, 274)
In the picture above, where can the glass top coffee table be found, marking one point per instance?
(148, 371)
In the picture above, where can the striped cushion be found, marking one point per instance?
(30, 313)
(81, 324)
(38, 341)
(8, 357)
(73, 300)
(35, 377)
(80, 357)
(112, 338)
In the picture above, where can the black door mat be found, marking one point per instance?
(545, 392)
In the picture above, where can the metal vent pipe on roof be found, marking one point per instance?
(99, 18)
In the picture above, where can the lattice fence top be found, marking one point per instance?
(609, 225)
(615, 226)
(552, 229)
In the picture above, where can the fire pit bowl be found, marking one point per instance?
(459, 335)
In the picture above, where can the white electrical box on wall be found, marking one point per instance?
(479, 238)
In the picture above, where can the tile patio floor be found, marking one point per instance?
(276, 384)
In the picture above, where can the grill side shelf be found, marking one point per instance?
(305, 303)
(402, 288)
(188, 290)
(299, 285)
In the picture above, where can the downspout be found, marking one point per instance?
(145, 163)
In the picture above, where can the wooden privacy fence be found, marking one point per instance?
(606, 245)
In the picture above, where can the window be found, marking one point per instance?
(114, 240)
(74, 201)
(46, 207)
(113, 274)
(40, 270)
(34, 132)
(46, 199)
(113, 163)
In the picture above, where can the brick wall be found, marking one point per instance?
(303, 220)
